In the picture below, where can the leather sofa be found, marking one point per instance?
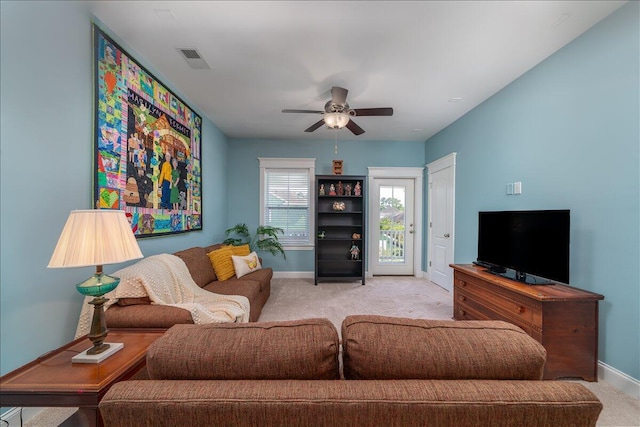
(394, 372)
(140, 313)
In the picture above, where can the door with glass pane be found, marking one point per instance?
(393, 227)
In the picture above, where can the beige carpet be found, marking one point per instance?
(390, 296)
(393, 296)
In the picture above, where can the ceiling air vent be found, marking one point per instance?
(193, 58)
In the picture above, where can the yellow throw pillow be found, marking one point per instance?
(242, 250)
(221, 262)
(246, 264)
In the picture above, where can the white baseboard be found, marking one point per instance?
(12, 416)
(293, 275)
(623, 382)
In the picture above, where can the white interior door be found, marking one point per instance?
(394, 227)
(441, 221)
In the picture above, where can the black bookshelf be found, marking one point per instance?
(340, 225)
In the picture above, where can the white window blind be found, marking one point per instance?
(287, 204)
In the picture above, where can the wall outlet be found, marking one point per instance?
(509, 189)
(517, 187)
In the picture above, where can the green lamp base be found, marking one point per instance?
(96, 286)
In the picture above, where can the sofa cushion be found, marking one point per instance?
(133, 301)
(405, 403)
(240, 250)
(299, 349)
(246, 288)
(213, 247)
(146, 316)
(221, 261)
(244, 265)
(379, 347)
(262, 276)
(198, 264)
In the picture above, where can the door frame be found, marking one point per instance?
(415, 173)
(437, 165)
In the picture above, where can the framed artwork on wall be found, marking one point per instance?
(147, 158)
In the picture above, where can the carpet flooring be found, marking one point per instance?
(391, 296)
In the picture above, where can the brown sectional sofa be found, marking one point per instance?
(140, 313)
(397, 372)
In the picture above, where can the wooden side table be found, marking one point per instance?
(53, 381)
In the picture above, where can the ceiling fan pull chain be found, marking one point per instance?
(335, 147)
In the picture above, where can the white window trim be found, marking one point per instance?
(291, 163)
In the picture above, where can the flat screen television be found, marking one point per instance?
(528, 246)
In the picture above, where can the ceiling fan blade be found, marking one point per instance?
(303, 111)
(314, 126)
(373, 111)
(339, 95)
(357, 130)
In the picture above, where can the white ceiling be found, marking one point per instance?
(414, 56)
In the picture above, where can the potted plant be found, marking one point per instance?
(265, 238)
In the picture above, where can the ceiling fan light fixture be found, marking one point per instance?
(336, 120)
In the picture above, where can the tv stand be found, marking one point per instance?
(562, 318)
(519, 276)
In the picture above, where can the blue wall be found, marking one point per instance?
(569, 131)
(46, 171)
(244, 175)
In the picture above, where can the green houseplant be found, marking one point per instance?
(265, 238)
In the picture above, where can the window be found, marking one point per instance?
(286, 197)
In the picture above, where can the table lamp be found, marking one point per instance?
(95, 238)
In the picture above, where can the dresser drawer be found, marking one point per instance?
(513, 307)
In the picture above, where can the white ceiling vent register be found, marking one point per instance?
(193, 58)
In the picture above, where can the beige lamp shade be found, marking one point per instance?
(95, 237)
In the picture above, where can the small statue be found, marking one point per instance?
(332, 190)
(354, 251)
(322, 189)
(347, 190)
(340, 189)
(358, 189)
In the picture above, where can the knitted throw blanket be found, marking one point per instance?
(166, 280)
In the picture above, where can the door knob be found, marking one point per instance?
(447, 235)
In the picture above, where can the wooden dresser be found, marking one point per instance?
(562, 318)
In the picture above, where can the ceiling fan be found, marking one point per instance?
(337, 113)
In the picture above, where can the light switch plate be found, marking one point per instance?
(517, 187)
(509, 189)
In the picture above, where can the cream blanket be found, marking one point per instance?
(166, 280)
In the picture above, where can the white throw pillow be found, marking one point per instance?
(246, 264)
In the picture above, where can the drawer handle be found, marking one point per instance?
(462, 298)
(519, 309)
(462, 283)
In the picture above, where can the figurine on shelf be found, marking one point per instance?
(357, 189)
(332, 190)
(354, 251)
(347, 190)
(340, 189)
(322, 189)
